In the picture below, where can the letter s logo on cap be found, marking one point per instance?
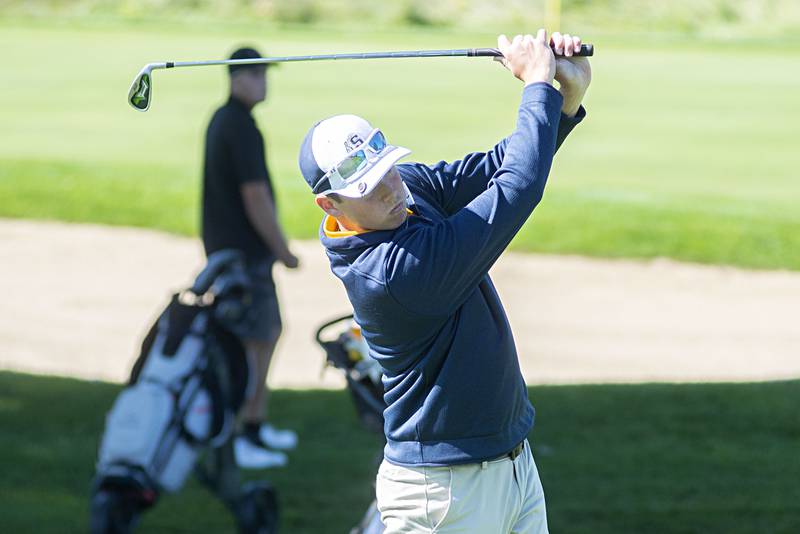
(353, 140)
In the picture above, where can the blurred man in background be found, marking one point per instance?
(239, 213)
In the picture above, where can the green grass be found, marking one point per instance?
(632, 458)
(689, 150)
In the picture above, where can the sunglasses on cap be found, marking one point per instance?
(347, 170)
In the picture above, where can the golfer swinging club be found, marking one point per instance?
(413, 244)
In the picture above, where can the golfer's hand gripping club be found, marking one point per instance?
(586, 50)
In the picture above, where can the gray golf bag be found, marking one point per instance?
(179, 406)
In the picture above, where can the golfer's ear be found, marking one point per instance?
(327, 206)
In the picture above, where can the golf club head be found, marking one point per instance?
(141, 90)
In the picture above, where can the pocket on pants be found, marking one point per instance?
(412, 499)
(439, 482)
(400, 498)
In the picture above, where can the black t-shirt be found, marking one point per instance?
(234, 155)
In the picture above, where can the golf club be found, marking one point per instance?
(141, 92)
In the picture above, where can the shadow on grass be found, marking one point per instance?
(632, 458)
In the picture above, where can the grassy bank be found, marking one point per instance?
(688, 150)
(633, 458)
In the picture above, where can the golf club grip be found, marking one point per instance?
(585, 51)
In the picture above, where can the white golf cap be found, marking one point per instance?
(330, 141)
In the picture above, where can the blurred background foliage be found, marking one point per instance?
(706, 17)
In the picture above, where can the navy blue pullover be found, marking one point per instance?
(427, 307)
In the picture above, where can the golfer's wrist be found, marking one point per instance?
(572, 101)
(534, 82)
(537, 75)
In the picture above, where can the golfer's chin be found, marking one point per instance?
(394, 219)
(399, 214)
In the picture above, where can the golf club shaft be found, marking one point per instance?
(586, 50)
(140, 93)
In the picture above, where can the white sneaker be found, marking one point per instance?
(275, 438)
(251, 456)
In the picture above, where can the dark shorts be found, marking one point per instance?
(263, 317)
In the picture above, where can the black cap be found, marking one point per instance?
(246, 53)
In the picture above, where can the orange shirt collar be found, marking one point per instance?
(333, 231)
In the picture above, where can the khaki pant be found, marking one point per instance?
(496, 497)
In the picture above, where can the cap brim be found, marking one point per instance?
(373, 175)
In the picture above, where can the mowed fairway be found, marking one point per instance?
(613, 459)
(690, 149)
